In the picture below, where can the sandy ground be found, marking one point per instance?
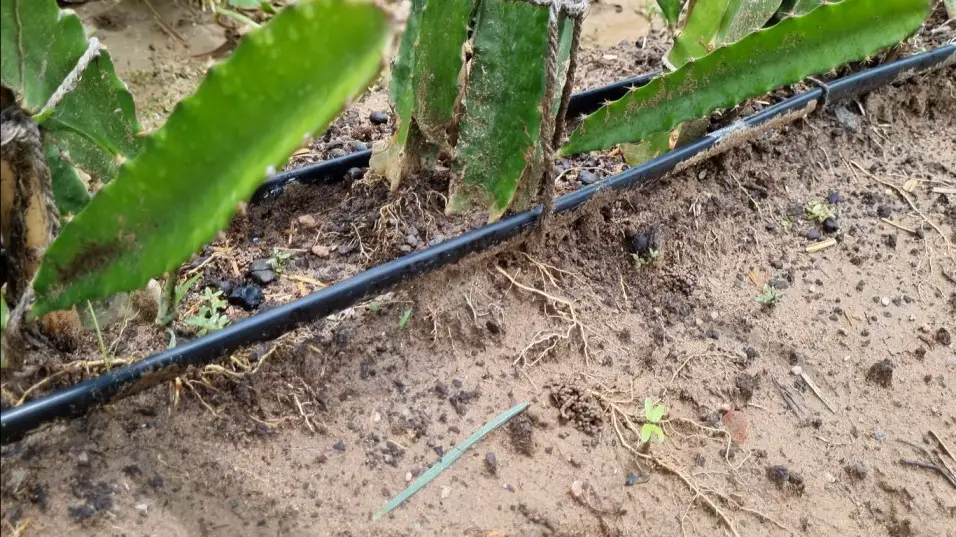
(338, 417)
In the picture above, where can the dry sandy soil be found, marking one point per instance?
(311, 434)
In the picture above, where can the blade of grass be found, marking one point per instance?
(450, 458)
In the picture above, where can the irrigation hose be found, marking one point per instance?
(130, 379)
(335, 169)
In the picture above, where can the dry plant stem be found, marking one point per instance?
(902, 193)
(942, 444)
(816, 391)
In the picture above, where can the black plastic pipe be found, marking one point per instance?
(112, 386)
(335, 169)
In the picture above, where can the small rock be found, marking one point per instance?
(588, 178)
(814, 235)
(247, 297)
(378, 118)
(157, 482)
(796, 370)
(780, 284)
(356, 173)
(408, 477)
(833, 197)
(337, 152)
(631, 480)
(261, 271)
(83, 459)
(881, 373)
(321, 251)
(885, 301)
(857, 470)
(831, 225)
(142, 508)
(944, 337)
(577, 488)
(445, 492)
(307, 221)
(263, 277)
(746, 385)
(884, 211)
(411, 240)
(879, 436)
(491, 463)
(357, 146)
(339, 446)
(737, 426)
(345, 249)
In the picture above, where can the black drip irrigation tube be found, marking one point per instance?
(334, 170)
(112, 386)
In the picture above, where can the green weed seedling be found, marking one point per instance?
(819, 211)
(770, 296)
(210, 317)
(279, 258)
(403, 320)
(652, 255)
(653, 413)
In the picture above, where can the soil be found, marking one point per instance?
(790, 418)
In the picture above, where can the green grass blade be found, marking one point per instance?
(450, 457)
(819, 41)
(501, 123)
(438, 62)
(282, 83)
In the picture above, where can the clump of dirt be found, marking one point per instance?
(577, 407)
(786, 479)
(521, 431)
(881, 373)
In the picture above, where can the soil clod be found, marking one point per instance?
(247, 297)
(522, 430)
(881, 373)
(491, 463)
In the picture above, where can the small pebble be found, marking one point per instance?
(491, 463)
(814, 234)
(247, 297)
(885, 301)
(307, 221)
(378, 118)
(883, 211)
(142, 508)
(577, 488)
(445, 492)
(408, 477)
(796, 370)
(588, 178)
(321, 251)
(631, 480)
(879, 435)
(831, 225)
(339, 446)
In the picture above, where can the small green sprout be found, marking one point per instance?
(653, 413)
(279, 257)
(770, 296)
(374, 306)
(403, 320)
(3, 312)
(210, 317)
(819, 211)
(647, 258)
